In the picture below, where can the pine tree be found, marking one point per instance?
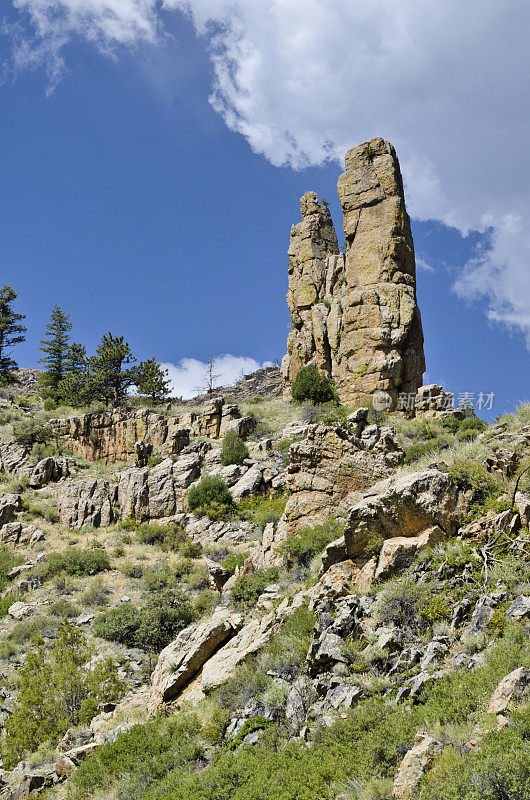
(152, 381)
(76, 360)
(56, 349)
(74, 388)
(11, 333)
(108, 380)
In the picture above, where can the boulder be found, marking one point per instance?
(520, 608)
(514, 686)
(19, 610)
(86, 502)
(181, 660)
(20, 533)
(398, 553)
(218, 574)
(250, 483)
(415, 763)
(9, 505)
(405, 506)
(251, 638)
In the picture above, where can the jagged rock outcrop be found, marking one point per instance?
(16, 460)
(513, 687)
(181, 660)
(155, 492)
(216, 418)
(355, 314)
(120, 434)
(325, 467)
(9, 505)
(111, 435)
(328, 468)
(415, 763)
(405, 506)
(86, 502)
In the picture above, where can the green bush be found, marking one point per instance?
(150, 628)
(118, 624)
(470, 474)
(74, 561)
(406, 603)
(210, 496)
(139, 757)
(234, 560)
(263, 509)
(310, 385)
(205, 602)
(8, 560)
(233, 450)
(310, 541)
(167, 537)
(32, 430)
(57, 691)
(248, 588)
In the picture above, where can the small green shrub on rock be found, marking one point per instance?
(310, 541)
(210, 496)
(234, 449)
(248, 588)
(310, 385)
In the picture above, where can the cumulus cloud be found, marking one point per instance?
(188, 378)
(302, 80)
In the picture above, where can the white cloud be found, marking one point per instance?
(303, 80)
(188, 377)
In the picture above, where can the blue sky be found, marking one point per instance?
(141, 208)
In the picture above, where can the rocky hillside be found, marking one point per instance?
(246, 598)
(337, 608)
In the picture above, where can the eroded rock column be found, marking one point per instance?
(355, 314)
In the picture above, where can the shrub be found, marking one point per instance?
(248, 588)
(140, 756)
(96, 594)
(205, 602)
(8, 560)
(152, 627)
(310, 541)
(74, 561)
(32, 430)
(118, 624)
(211, 494)
(406, 603)
(334, 415)
(233, 450)
(57, 691)
(469, 474)
(263, 509)
(310, 385)
(234, 560)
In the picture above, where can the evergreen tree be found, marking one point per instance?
(56, 349)
(152, 381)
(11, 333)
(108, 379)
(76, 360)
(57, 690)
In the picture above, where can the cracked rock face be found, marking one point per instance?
(355, 314)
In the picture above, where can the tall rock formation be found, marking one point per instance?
(354, 314)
